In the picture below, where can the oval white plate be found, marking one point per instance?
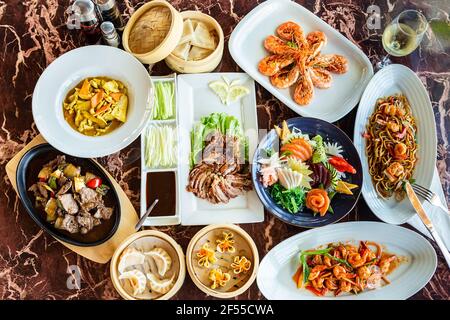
(246, 48)
(390, 80)
(65, 73)
(279, 265)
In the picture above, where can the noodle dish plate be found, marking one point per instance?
(394, 80)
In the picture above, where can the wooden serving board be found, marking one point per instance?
(103, 252)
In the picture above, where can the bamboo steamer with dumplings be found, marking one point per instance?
(148, 265)
(222, 260)
(153, 31)
(200, 48)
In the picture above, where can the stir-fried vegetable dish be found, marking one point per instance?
(96, 106)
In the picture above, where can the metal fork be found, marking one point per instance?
(430, 196)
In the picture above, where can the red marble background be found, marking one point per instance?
(33, 33)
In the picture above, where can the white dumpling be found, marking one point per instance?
(162, 260)
(136, 280)
(160, 286)
(188, 32)
(202, 37)
(182, 50)
(198, 53)
(129, 258)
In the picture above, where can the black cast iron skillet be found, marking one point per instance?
(27, 171)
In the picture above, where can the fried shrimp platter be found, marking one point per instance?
(295, 60)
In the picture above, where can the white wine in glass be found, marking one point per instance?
(403, 35)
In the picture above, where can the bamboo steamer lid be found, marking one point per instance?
(244, 246)
(207, 64)
(153, 31)
(146, 240)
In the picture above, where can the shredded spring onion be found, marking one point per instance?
(160, 146)
(164, 108)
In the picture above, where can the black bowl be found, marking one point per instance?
(27, 171)
(341, 204)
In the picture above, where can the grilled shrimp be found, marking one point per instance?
(364, 273)
(304, 91)
(285, 78)
(270, 65)
(315, 272)
(316, 41)
(339, 272)
(277, 46)
(331, 284)
(331, 62)
(385, 263)
(321, 78)
(357, 260)
(290, 31)
(345, 286)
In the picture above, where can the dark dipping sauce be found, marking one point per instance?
(162, 186)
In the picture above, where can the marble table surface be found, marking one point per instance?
(33, 33)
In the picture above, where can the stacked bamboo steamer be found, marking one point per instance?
(155, 30)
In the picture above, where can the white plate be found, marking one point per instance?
(279, 265)
(246, 48)
(153, 220)
(196, 100)
(390, 80)
(65, 73)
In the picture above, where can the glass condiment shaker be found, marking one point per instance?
(84, 12)
(110, 34)
(109, 11)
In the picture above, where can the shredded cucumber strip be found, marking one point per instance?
(164, 108)
(160, 146)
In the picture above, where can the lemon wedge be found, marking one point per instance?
(236, 92)
(221, 89)
(228, 91)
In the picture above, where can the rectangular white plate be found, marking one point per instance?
(160, 220)
(196, 100)
(246, 48)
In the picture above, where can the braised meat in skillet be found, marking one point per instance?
(71, 201)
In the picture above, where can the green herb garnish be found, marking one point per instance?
(304, 263)
(292, 44)
(292, 200)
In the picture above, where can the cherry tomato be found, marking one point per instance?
(341, 165)
(94, 183)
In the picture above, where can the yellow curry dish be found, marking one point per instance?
(96, 106)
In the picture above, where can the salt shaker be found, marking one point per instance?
(110, 34)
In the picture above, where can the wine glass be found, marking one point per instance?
(403, 35)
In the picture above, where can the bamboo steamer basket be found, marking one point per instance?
(153, 31)
(150, 239)
(244, 245)
(207, 64)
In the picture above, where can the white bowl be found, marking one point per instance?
(65, 73)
